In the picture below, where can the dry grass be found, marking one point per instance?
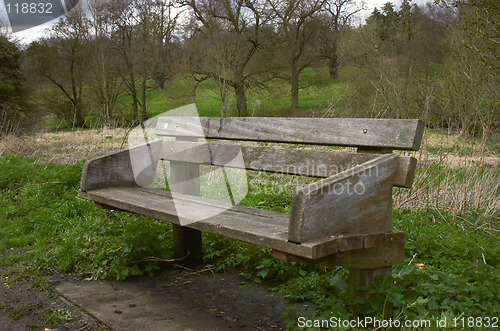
(452, 174)
(454, 190)
(64, 147)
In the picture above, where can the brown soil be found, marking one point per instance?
(24, 308)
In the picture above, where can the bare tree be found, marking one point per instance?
(143, 33)
(63, 61)
(212, 58)
(298, 29)
(131, 42)
(104, 79)
(164, 19)
(471, 85)
(13, 95)
(339, 15)
(237, 24)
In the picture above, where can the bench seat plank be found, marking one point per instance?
(256, 226)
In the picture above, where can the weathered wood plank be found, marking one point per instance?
(293, 161)
(185, 179)
(110, 170)
(386, 254)
(364, 276)
(355, 201)
(388, 250)
(349, 243)
(381, 250)
(406, 171)
(382, 239)
(363, 259)
(260, 227)
(402, 134)
(117, 169)
(256, 226)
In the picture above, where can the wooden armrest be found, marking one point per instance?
(369, 251)
(355, 201)
(134, 166)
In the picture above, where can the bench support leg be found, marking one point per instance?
(185, 179)
(187, 246)
(366, 277)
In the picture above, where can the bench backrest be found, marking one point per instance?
(370, 136)
(405, 134)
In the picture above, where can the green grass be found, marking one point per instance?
(55, 316)
(15, 313)
(45, 228)
(317, 92)
(48, 228)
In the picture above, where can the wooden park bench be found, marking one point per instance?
(328, 224)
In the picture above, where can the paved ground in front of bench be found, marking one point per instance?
(177, 300)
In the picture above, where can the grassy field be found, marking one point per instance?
(317, 93)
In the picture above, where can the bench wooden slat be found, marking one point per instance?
(404, 134)
(260, 227)
(256, 226)
(356, 201)
(292, 161)
(117, 169)
(379, 250)
(113, 169)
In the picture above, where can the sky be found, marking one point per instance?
(26, 36)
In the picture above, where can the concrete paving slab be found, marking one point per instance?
(178, 300)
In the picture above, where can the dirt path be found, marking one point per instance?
(172, 300)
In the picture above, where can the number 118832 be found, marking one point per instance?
(29, 8)
(475, 322)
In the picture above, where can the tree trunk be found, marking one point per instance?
(241, 100)
(78, 120)
(144, 110)
(133, 93)
(239, 90)
(135, 108)
(333, 63)
(464, 129)
(225, 109)
(159, 81)
(294, 86)
(486, 133)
